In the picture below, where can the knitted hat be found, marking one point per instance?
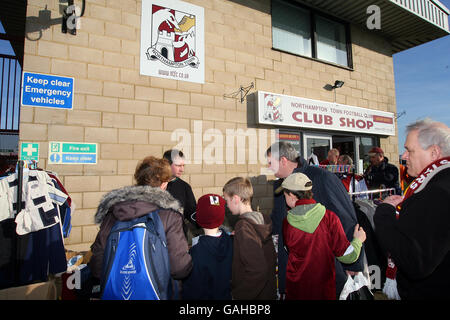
(210, 211)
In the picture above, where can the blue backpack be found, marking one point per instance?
(136, 261)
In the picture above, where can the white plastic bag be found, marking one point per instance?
(354, 284)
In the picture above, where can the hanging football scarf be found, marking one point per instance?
(424, 177)
(417, 185)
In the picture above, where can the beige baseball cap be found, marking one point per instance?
(295, 182)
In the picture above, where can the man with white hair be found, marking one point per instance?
(415, 228)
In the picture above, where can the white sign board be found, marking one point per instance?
(172, 40)
(283, 110)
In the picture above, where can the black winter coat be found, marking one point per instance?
(419, 241)
(385, 174)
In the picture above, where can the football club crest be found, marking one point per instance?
(273, 108)
(172, 40)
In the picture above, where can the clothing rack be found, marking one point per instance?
(338, 168)
(380, 191)
(371, 191)
(30, 256)
(341, 168)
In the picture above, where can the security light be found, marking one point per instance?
(338, 84)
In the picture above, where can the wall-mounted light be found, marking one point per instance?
(338, 84)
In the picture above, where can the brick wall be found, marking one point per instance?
(131, 116)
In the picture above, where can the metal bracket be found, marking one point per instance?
(243, 91)
(398, 115)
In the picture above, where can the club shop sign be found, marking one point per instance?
(172, 40)
(283, 110)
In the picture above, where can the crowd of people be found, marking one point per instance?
(312, 242)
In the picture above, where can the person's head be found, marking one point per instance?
(176, 161)
(210, 211)
(345, 159)
(376, 156)
(281, 158)
(295, 187)
(238, 192)
(154, 172)
(426, 142)
(333, 156)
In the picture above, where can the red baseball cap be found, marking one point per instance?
(376, 150)
(210, 211)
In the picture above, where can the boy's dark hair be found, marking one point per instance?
(171, 154)
(301, 194)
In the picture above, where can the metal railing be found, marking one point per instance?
(10, 86)
(430, 10)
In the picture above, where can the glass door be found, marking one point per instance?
(316, 147)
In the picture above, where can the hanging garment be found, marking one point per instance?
(32, 242)
(5, 212)
(368, 207)
(39, 197)
(312, 159)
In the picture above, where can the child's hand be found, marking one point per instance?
(359, 233)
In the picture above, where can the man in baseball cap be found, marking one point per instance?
(381, 174)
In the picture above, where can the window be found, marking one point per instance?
(331, 43)
(291, 28)
(305, 32)
(366, 143)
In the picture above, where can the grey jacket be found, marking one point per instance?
(135, 201)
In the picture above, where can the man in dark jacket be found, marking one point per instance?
(418, 237)
(328, 190)
(381, 174)
(177, 187)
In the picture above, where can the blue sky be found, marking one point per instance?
(422, 83)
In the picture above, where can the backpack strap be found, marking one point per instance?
(154, 224)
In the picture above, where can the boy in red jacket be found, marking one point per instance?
(313, 237)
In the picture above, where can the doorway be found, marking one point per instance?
(316, 145)
(345, 145)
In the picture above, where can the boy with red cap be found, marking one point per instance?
(211, 253)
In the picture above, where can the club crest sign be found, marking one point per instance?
(172, 40)
(273, 108)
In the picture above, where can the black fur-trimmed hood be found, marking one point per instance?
(157, 196)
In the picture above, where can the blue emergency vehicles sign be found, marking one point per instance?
(43, 90)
